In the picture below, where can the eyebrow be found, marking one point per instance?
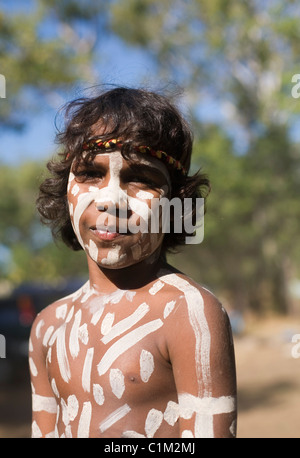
(150, 167)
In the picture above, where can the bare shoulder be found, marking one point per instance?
(45, 322)
(196, 309)
(52, 316)
(200, 326)
(194, 295)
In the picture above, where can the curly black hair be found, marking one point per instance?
(138, 117)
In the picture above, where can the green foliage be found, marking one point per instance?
(242, 55)
(45, 48)
(32, 254)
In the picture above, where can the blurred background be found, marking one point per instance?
(237, 63)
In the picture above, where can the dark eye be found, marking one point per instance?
(145, 181)
(88, 175)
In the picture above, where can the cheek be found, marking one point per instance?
(77, 206)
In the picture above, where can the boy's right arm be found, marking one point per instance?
(44, 405)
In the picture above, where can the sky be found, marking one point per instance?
(37, 140)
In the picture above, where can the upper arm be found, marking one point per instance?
(202, 358)
(44, 406)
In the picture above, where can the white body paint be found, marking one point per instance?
(146, 365)
(74, 335)
(47, 335)
(69, 409)
(38, 328)
(116, 379)
(126, 342)
(36, 432)
(205, 408)
(153, 422)
(107, 323)
(114, 417)
(62, 358)
(169, 308)
(86, 372)
(156, 287)
(125, 324)
(61, 311)
(171, 414)
(33, 368)
(98, 394)
(201, 407)
(39, 403)
(199, 324)
(85, 420)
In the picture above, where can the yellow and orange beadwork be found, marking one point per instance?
(99, 144)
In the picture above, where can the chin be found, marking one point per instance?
(123, 262)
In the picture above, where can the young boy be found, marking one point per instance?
(140, 350)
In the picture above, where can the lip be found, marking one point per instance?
(105, 234)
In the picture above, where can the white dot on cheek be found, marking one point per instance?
(145, 195)
(71, 208)
(75, 189)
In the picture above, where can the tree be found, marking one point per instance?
(30, 252)
(241, 56)
(46, 47)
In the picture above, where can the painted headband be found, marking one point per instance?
(98, 144)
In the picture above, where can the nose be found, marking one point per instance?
(110, 195)
(112, 200)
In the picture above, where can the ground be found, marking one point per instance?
(268, 380)
(268, 385)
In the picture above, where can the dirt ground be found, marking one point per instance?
(268, 377)
(268, 385)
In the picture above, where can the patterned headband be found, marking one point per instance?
(97, 144)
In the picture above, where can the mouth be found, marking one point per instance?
(105, 233)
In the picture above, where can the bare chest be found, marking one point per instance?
(111, 359)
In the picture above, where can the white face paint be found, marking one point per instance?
(109, 213)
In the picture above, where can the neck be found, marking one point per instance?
(132, 277)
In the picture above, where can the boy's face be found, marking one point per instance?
(111, 204)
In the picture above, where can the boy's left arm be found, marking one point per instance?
(202, 357)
